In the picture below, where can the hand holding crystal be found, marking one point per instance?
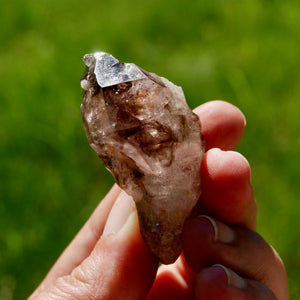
(108, 259)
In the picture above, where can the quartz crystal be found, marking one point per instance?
(141, 127)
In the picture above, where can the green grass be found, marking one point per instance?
(245, 52)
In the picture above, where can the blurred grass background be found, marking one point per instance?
(245, 52)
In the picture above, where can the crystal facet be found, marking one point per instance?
(142, 129)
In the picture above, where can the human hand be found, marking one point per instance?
(108, 258)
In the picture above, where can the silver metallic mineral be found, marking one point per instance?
(142, 129)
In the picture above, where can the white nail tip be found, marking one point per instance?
(225, 270)
(233, 279)
(214, 225)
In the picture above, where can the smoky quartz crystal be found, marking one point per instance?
(141, 127)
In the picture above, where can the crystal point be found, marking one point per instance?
(142, 129)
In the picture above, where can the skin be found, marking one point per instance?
(223, 257)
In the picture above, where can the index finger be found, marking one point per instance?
(222, 124)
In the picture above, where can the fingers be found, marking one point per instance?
(120, 267)
(218, 282)
(173, 282)
(225, 176)
(85, 240)
(226, 193)
(226, 188)
(222, 124)
(208, 241)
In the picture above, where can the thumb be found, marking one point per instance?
(121, 266)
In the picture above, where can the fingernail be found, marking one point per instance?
(223, 233)
(233, 279)
(119, 214)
